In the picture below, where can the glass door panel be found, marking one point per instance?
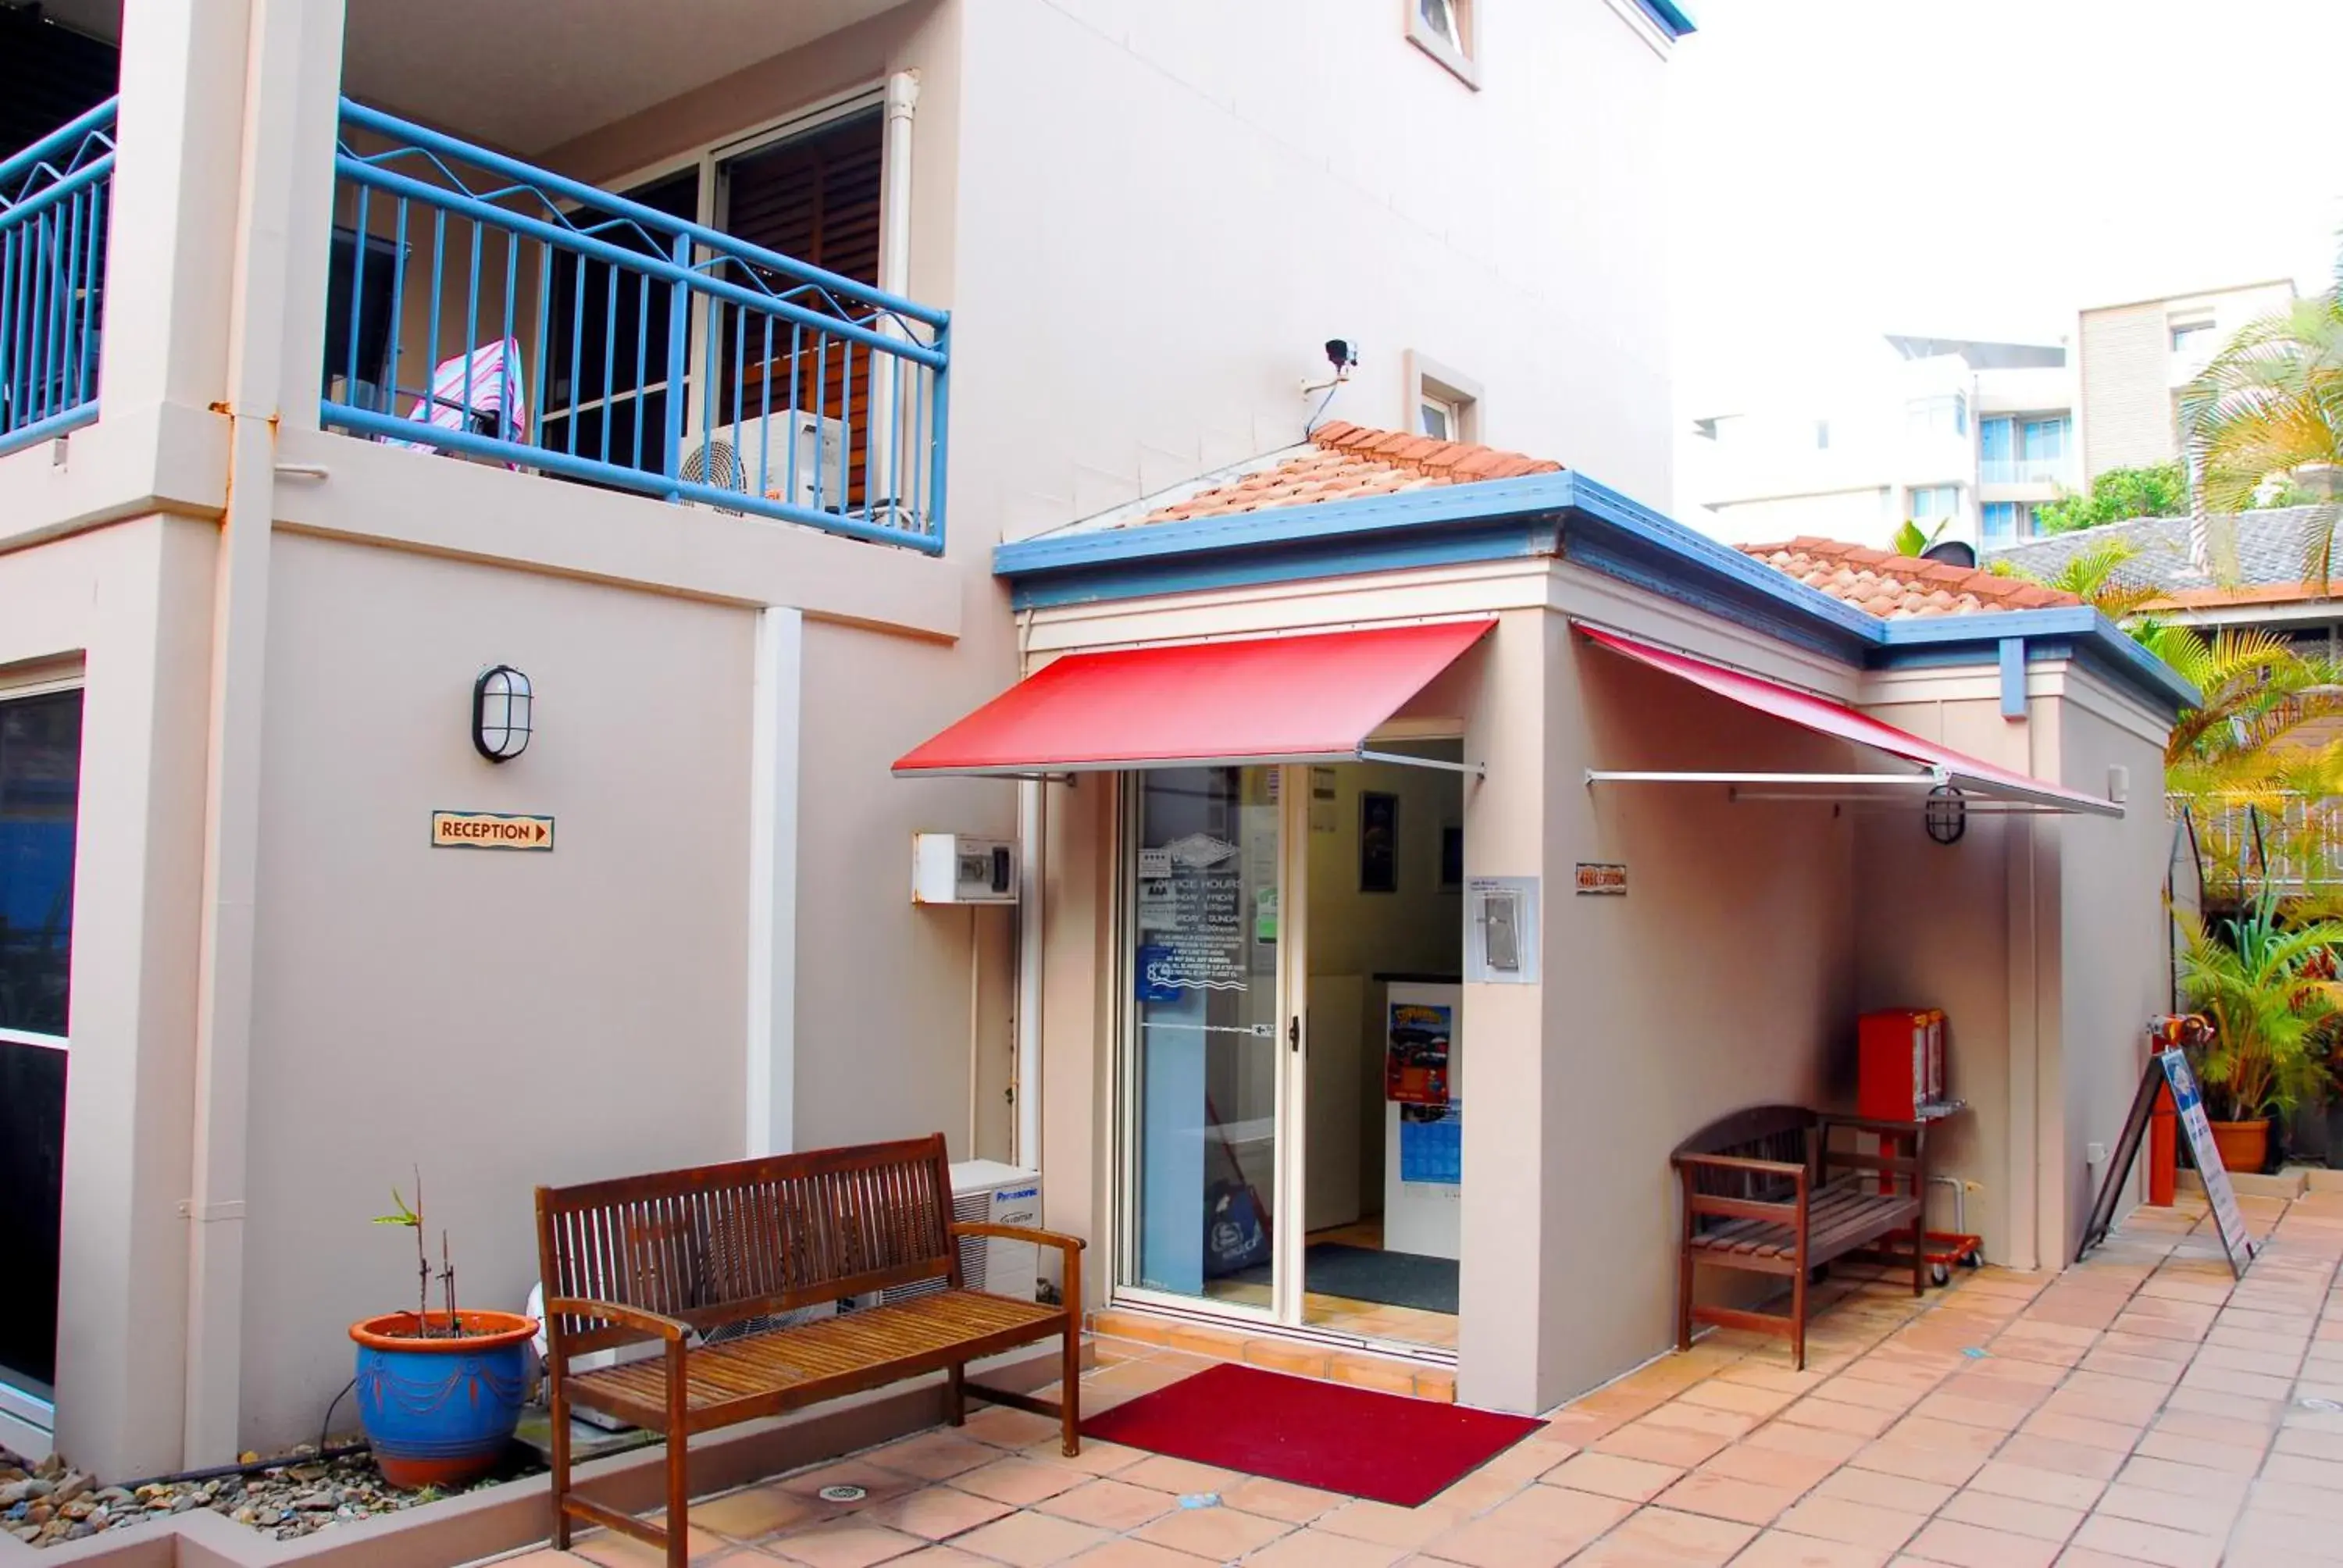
(1206, 1056)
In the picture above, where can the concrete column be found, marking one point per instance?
(1505, 1306)
(773, 730)
(171, 254)
(121, 1304)
(292, 76)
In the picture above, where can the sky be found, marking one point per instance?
(1981, 168)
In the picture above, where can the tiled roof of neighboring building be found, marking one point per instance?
(2257, 558)
(1895, 587)
(1339, 462)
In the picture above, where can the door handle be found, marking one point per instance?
(1293, 1033)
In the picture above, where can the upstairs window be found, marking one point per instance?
(1443, 30)
(2190, 333)
(1926, 503)
(1947, 415)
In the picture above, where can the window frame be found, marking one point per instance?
(18, 691)
(1430, 381)
(1459, 56)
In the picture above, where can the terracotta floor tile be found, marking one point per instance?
(1122, 1552)
(1560, 1513)
(2147, 1543)
(2141, 1369)
(1894, 1398)
(1283, 1500)
(2212, 1455)
(2188, 1423)
(2278, 1542)
(1784, 1379)
(2236, 1407)
(1770, 1467)
(2311, 1444)
(1991, 1415)
(1095, 1459)
(1788, 1437)
(1310, 1547)
(2251, 1385)
(1006, 1428)
(1663, 1536)
(2183, 1480)
(1724, 1497)
(1780, 1549)
(1881, 1490)
(1222, 1534)
(2075, 1429)
(934, 1456)
(2174, 1511)
(843, 1544)
(1177, 1476)
(1718, 1394)
(1971, 1546)
(1028, 1540)
(1019, 1483)
(745, 1515)
(1613, 1476)
(1859, 1524)
(1109, 1503)
(1484, 1544)
(1725, 1424)
(937, 1512)
(1832, 1416)
(878, 1485)
(1386, 1525)
(2016, 1515)
(2304, 1471)
(1948, 1436)
(1945, 1466)
(1676, 1445)
(2008, 1478)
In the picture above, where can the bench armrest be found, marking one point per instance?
(1736, 1163)
(665, 1328)
(1064, 1243)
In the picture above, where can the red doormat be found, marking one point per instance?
(1329, 1435)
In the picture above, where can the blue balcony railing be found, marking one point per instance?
(2023, 470)
(53, 212)
(481, 306)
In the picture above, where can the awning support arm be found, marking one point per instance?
(1477, 769)
(1928, 781)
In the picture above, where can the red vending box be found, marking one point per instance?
(1900, 1064)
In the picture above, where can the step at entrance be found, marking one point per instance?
(1274, 1352)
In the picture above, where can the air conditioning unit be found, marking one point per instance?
(732, 455)
(987, 1192)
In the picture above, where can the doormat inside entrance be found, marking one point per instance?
(1371, 1274)
(1330, 1436)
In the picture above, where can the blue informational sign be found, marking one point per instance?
(1157, 973)
(2218, 1194)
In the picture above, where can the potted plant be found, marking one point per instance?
(2268, 987)
(439, 1393)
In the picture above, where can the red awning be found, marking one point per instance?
(1310, 698)
(1941, 764)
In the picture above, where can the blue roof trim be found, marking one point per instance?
(1494, 500)
(1669, 17)
(1563, 513)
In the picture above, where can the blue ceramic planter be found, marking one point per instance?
(440, 1411)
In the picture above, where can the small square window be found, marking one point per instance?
(1445, 30)
(1447, 403)
(1440, 419)
(2191, 333)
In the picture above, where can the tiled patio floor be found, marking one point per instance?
(2139, 1408)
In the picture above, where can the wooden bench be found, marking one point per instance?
(1764, 1191)
(717, 1266)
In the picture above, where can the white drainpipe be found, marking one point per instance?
(895, 277)
(1027, 1151)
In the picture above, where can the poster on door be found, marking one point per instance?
(1192, 919)
(1415, 1053)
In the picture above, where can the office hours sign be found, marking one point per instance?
(1193, 919)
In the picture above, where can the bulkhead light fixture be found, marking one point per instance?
(501, 713)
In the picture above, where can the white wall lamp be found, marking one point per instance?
(501, 704)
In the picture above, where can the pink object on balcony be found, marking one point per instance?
(480, 391)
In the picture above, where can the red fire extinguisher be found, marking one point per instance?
(2167, 1031)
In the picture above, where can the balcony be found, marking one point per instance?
(53, 217)
(480, 306)
(2057, 470)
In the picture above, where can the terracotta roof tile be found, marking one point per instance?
(1352, 461)
(1894, 587)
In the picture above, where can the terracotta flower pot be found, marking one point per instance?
(2244, 1145)
(440, 1411)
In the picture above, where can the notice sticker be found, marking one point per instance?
(490, 830)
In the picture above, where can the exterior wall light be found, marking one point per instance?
(1947, 814)
(501, 703)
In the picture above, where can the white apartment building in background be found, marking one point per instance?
(1964, 438)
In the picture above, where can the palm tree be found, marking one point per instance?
(2269, 404)
(2089, 574)
(2264, 983)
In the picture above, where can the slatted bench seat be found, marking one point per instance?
(718, 1265)
(1765, 1193)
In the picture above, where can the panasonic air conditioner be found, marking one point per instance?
(734, 456)
(985, 1191)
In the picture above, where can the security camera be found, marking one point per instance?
(1341, 354)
